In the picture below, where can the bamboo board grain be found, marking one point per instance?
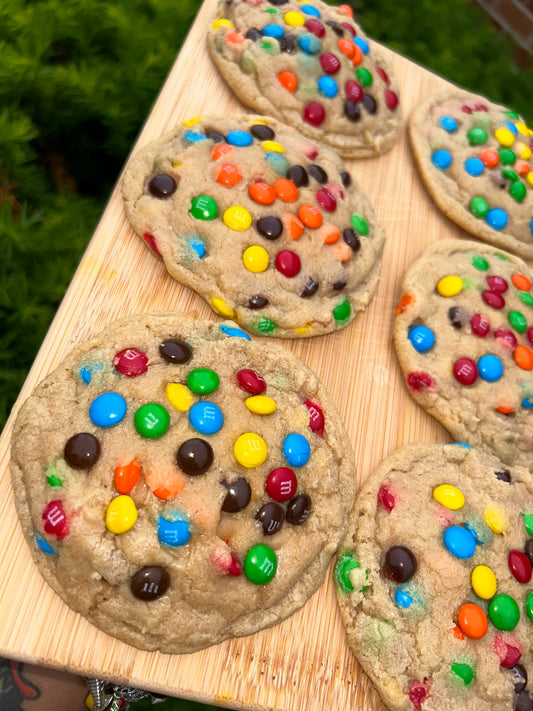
(304, 662)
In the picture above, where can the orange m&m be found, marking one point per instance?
(472, 621)
(288, 81)
(286, 190)
(523, 357)
(347, 47)
(262, 193)
(127, 476)
(310, 216)
(228, 175)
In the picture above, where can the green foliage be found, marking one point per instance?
(457, 40)
(77, 80)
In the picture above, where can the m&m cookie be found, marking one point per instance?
(179, 484)
(475, 160)
(311, 66)
(434, 581)
(268, 227)
(464, 339)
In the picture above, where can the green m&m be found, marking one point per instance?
(204, 207)
(260, 564)
(504, 612)
(203, 381)
(152, 420)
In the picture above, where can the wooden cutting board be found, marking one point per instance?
(303, 663)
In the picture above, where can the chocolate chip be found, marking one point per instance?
(351, 238)
(175, 351)
(457, 316)
(352, 110)
(270, 516)
(399, 565)
(369, 103)
(288, 44)
(318, 173)
(262, 132)
(257, 302)
(216, 136)
(195, 456)
(298, 175)
(519, 674)
(162, 186)
(310, 288)
(336, 27)
(298, 510)
(253, 34)
(82, 451)
(528, 549)
(339, 285)
(238, 496)
(269, 227)
(346, 179)
(150, 582)
(523, 701)
(503, 475)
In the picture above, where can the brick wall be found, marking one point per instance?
(515, 17)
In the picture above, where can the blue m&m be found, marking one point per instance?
(328, 87)
(173, 533)
(107, 409)
(422, 338)
(496, 218)
(296, 449)
(459, 542)
(474, 167)
(490, 368)
(441, 159)
(239, 138)
(206, 417)
(448, 124)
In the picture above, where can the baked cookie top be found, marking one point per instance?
(434, 581)
(179, 484)
(312, 67)
(464, 338)
(267, 226)
(474, 158)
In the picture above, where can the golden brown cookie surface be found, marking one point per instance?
(179, 484)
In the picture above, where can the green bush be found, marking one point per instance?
(457, 40)
(77, 80)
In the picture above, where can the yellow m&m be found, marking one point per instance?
(121, 514)
(222, 308)
(504, 137)
(255, 258)
(221, 22)
(496, 518)
(294, 19)
(260, 404)
(237, 218)
(450, 285)
(483, 582)
(272, 146)
(449, 496)
(250, 450)
(179, 396)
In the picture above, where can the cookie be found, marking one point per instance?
(311, 66)
(434, 581)
(179, 484)
(464, 338)
(269, 228)
(474, 158)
